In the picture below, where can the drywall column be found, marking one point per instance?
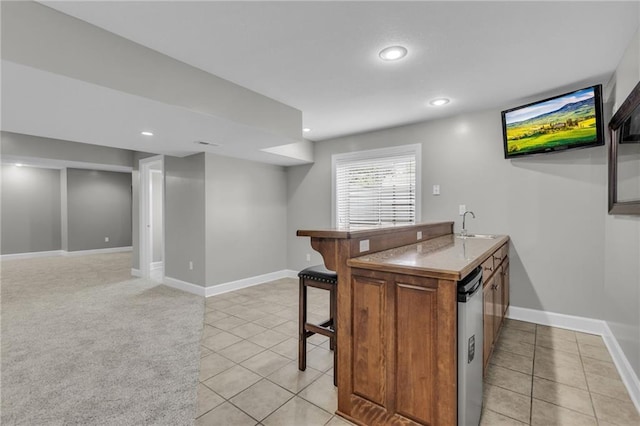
(64, 217)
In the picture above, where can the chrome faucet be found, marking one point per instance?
(464, 227)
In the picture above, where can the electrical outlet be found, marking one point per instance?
(106, 239)
(364, 245)
(419, 235)
(436, 189)
(191, 265)
(308, 257)
(461, 209)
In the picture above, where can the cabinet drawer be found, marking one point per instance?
(501, 254)
(487, 269)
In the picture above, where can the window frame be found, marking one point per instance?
(415, 149)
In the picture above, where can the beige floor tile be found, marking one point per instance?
(298, 412)
(524, 349)
(209, 331)
(322, 393)
(271, 308)
(512, 361)
(225, 415)
(491, 418)
(561, 373)
(268, 338)
(507, 403)
(288, 348)
(601, 368)
(589, 339)
(563, 395)
(265, 363)
(317, 339)
(247, 330)
(545, 414)
(597, 352)
(220, 341)
(559, 358)
(271, 321)
(338, 421)
(615, 411)
(289, 377)
(261, 399)
(557, 344)
(207, 400)
(520, 325)
(320, 359)
(228, 323)
(288, 328)
(204, 351)
(560, 333)
(232, 381)
(517, 335)
(211, 317)
(252, 315)
(613, 388)
(509, 379)
(241, 351)
(213, 364)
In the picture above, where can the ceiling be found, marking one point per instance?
(322, 57)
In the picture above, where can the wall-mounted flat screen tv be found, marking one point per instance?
(571, 120)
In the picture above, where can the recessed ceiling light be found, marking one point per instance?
(146, 133)
(393, 53)
(306, 130)
(439, 102)
(18, 164)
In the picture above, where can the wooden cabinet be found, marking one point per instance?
(403, 348)
(496, 297)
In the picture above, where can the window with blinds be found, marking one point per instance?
(377, 187)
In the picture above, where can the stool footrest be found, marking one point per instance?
(320, 329)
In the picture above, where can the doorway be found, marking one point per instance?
(151, 221)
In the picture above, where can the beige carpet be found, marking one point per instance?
(84, 343)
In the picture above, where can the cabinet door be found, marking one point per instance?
(505, 287)
(488, 320)
(498, 312)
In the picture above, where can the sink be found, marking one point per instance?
(484, 236)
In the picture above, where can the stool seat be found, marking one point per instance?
(319, 273)
(317, 277)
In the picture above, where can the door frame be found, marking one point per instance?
(144, 216)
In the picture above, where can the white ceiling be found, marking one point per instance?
(321, 57)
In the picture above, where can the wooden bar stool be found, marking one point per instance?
(318, 277)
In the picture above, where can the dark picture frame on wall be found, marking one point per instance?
(624, 156)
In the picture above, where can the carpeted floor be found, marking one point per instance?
(84, 343)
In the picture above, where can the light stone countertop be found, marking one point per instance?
(446, 257)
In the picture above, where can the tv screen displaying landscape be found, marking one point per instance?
(567, 121)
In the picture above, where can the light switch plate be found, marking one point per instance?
(436, 189)
(364, 245)
(462, 208)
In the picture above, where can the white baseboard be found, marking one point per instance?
(156, 265)
(249, 282)
(97, 251)
(184, 286)
(31, 255)
(586, 325)
(136, 272)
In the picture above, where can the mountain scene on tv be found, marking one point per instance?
(564, 121)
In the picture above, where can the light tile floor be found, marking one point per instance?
(249, 373)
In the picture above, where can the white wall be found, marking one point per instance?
(621, 302)
(552, 206)
(246, 214)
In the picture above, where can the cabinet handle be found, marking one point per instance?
(490, 268)
(497, 258)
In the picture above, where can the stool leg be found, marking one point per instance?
(302, 320)
(334, 318)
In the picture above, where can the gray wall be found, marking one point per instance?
(20, 145)
(30, 209)
(621, 302)
(99, 206)
(156, 215)
(246, 207)
(185, 218)
(552, 206)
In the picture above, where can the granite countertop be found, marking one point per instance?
(445, 257)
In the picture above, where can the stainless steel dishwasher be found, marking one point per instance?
(470, 348)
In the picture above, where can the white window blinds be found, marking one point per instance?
(379, 188)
